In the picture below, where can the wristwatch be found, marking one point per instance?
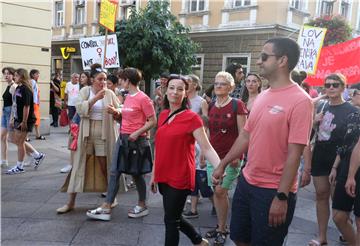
(281, 196)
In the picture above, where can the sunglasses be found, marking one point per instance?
(220, 84)
(264, 56)
(334, 85)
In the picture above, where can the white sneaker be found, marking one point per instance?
(66, 169)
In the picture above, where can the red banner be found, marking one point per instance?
(339, 58)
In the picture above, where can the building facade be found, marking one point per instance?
(227, 30)
(26, 43)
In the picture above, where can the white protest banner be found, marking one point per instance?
(310, 41)
(92, 51)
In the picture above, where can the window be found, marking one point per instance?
(297, 4)
(196, 5)
(79, 12)
(57, 65)
(241, 3)
(326, 7)
(243, 59)
(198, 68)
(345, 8)
(59, 13)
(97, 9)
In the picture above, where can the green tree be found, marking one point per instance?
(153, 41)
(338, 30)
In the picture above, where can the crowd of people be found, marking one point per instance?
(266, 134)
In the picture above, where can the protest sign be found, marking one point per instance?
(92, 51)
(339, 58)
(108, 10)
(310, 41)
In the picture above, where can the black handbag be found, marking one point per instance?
(135, 156)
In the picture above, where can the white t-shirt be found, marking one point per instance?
(72, 91)
(96, 112)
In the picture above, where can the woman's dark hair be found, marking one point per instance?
(113, 79)
(87, 74)
(286, 47)
(231, 68)
(298, 77)
(185, 102)
(95, 69)
(338, 77)
(119, 73)
(133, 75)
(245, 94)
(10, 70)
(33, 72)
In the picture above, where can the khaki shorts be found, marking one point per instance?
(94, 144)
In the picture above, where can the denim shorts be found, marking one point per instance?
(5, 118)
(201, 184)
(250, 216)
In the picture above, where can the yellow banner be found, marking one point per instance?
(108, 10)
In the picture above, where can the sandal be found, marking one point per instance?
(315, 242)
(220, 239)
(40, 138)
(99, 214)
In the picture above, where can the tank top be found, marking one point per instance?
(96, 112)
(7, 97)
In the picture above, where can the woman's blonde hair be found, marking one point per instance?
(24, 78)
(228, 78)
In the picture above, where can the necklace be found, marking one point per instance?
(220, 105)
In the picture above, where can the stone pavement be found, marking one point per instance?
(29, 200)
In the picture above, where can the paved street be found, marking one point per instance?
(29, 200)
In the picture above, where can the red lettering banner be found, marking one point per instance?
(339, 58)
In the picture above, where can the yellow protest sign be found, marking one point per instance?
(108, 10)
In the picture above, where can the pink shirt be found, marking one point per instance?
(278, 117)
(137, 108)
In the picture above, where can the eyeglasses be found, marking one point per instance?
(334, 85)
(264, 56)
(220, 84)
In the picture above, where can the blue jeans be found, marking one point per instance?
(250, 216)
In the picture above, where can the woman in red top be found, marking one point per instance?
(174, 172)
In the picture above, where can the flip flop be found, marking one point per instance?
(315, 242)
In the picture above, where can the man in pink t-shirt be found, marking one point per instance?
(275, 134)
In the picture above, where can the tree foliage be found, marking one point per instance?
(338, 30)
(154, 41)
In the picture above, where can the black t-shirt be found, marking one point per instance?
(332, 127)
(355, 86)
(7, 97)
(24, 97)
(351, 138)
